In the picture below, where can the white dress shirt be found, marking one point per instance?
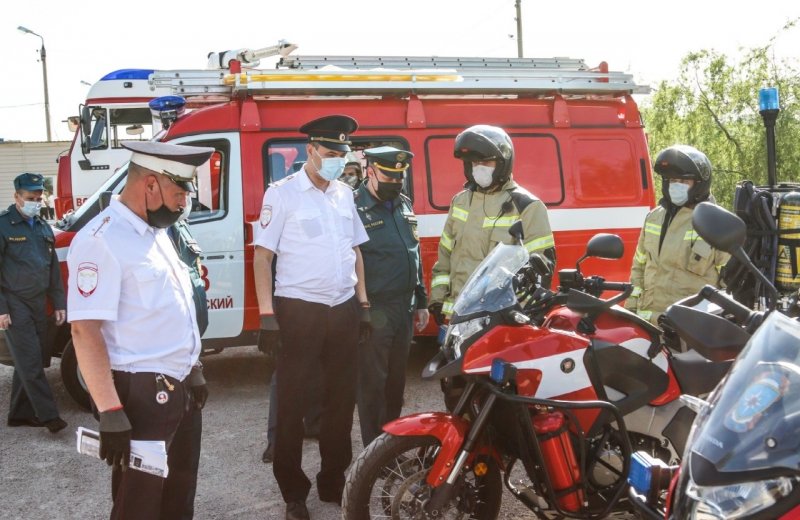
(127, 274)
(313, 233)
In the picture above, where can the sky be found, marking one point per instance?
(85, 40)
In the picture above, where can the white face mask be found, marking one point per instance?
(482, 175)
(678, 193)
(30, 208)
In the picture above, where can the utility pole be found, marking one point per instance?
(43, 56)
(519, 28)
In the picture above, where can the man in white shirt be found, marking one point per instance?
(134, 323)
(319, 309)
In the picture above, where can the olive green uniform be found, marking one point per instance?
(665, 272)
(476, 223)
(395, 288)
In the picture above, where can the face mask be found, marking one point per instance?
(30, 208)
(483, 175)
(162, 217)
(678, 193)
(388, 190)
(350, 180)
(332, 167)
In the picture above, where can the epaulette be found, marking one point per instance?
(4, 212)
(283, 181)
(101, 228)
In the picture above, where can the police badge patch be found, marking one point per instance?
(87, 278)
(266, 216)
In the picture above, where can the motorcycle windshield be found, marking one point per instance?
(753, 418)
(490, 286)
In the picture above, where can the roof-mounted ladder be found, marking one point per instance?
(365, 75)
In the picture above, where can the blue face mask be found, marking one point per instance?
(332, 167)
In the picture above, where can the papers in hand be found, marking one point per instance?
(147, 456)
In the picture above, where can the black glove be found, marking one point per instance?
(364, 326)
(115, 438)
(269, 337)
(436, 311)
(197, 385)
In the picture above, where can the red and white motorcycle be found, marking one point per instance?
(564, 382)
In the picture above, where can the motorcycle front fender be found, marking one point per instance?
(448, 429)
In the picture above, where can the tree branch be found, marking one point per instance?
(715, 117)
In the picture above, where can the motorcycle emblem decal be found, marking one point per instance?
(266, 216)
(87, 278)
(568, 365)
(162, 397)
(754, 403)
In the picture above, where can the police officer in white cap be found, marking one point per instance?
(320, 307)
(134, 323)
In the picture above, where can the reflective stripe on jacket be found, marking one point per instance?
(684, 264)
(476, 223)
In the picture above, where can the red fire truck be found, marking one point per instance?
(579, 145)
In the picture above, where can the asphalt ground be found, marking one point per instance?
(43, 477)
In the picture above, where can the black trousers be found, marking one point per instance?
(31, 396)
(141, 495)
(315, 333)
(382, 366)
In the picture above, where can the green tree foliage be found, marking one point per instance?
(713, 106)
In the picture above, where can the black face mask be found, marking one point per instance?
(162, 217)
(387, 191)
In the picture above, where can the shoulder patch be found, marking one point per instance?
(87, 277)
(266, 216)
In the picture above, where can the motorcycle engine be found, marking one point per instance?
(606, 468)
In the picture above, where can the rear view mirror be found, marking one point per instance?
(719, 227)
(86, 129)
(134, 130)
(73, 122)
(605, 245)
(723, 230)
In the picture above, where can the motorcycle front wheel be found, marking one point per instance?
(388, 481)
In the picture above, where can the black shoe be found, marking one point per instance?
(56, 425)
(297, 511)
(333, 498)
(269, 454)
(35, 423)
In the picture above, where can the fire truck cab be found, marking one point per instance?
(578, 137)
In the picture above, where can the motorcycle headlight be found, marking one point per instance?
(737, 500)
(459, 333)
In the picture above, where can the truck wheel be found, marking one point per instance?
(71, 376)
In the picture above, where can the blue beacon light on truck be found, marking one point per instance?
(128, 74)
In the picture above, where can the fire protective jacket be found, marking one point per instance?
(476, 223)
(666, 271)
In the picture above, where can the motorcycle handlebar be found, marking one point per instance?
(740, 313)
(615, 286)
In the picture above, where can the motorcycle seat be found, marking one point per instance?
(698, 375)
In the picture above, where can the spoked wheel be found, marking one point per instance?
(388, 481)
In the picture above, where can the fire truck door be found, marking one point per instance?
(216, 224)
